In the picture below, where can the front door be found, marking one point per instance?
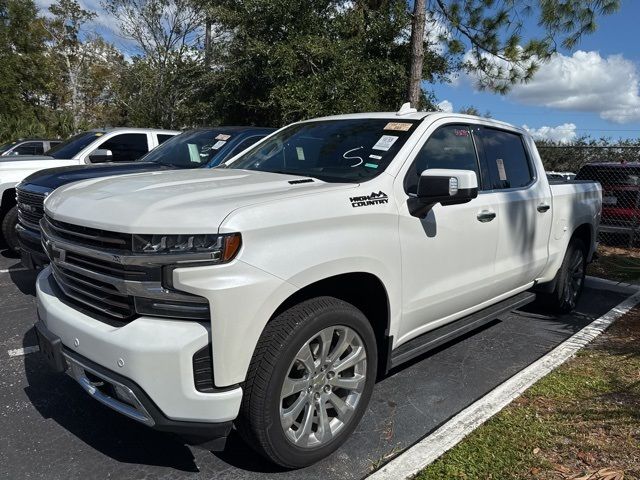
(447, 257)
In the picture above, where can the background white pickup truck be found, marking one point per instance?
(95, 146)
(271, 293)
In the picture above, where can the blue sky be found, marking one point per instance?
(592, 90)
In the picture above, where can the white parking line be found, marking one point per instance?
(18, 352)
(451, 433)
(8, 270)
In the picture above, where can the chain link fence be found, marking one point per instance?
(617, 168)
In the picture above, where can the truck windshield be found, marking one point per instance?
(71, 147)
(192, 149)
(351, 151)
(6, 146)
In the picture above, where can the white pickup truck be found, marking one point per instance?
(270, 294)
(95, 146)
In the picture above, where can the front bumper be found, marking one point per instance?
(33, 256)
(152, 357)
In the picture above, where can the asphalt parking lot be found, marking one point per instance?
(52, 429)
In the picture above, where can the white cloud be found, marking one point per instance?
(586, 82)
(564, 133)
(445, 106)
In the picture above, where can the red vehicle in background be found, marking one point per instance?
(620, 196)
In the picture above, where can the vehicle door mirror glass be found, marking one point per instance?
(100, 155)
(444, 186)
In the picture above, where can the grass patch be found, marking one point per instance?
(580, 422)
(616, 263)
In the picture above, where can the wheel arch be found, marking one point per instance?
(363, 290)
(8, 201)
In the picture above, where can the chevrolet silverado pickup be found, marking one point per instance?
(198, 148)
(95, 146)
(268, 294)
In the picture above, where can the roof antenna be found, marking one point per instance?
(406, 109)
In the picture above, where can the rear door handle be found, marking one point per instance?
(486, 216)
(543, 207)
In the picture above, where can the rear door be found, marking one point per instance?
(523, 200)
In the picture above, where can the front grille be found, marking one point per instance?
(95, 272)
(90, 237)
(30, 208)
(93, 294)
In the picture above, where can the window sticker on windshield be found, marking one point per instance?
(501, 171)
(375, 157)
(218, 145)
(300, 152)
(99, 134)
(223, 136)
(194, 155)
(371, 165)
(385, 143)
(398, 126)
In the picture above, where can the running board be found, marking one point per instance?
(430, 340)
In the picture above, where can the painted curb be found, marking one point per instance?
(426, 451)
(611, 285)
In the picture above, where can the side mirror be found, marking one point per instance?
(100, 155)
(444, 186)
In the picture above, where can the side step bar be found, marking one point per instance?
(430, 340)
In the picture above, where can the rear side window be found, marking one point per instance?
(450, 146)
(126, 147)
(507, 159)
(163, 138)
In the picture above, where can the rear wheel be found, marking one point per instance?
(309, 382)
(569, 280)
(9, 232)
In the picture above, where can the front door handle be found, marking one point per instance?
(543, 207)
(486, 216)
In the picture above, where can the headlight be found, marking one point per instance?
(222, 248)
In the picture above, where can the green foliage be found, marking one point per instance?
(283, 60)
(570, 157)
(23, 81)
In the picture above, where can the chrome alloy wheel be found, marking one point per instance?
(323, 386)
(575, 278)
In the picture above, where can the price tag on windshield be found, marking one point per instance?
(223, 136)
(385, 143)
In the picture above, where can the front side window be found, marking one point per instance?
(450, 146)
(507, 158)
(29, 148)
(126, 147)
(351, 151)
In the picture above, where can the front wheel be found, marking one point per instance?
(570, 279)
(9, 223)
(309, 382)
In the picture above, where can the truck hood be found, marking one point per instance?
(189, 201)
(53, 178)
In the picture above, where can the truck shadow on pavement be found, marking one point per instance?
(59, 398)
(407, 404)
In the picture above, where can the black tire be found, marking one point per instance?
(9, 232)
(569, 281)
(259, 421)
